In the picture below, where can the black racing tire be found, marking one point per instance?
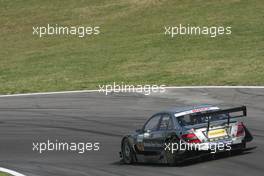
(174, 158)
(127, 152)
(240, 150)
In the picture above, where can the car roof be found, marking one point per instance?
(186, 108)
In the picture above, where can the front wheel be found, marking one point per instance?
(127, 152)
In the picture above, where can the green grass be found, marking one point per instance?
(4, 174)
(131, 47)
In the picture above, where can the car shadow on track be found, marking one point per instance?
(215, 157)
(199, 160)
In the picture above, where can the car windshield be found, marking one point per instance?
(193, 120)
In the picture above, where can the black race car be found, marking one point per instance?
(184, 133)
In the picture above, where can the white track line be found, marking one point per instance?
(170, 87)
(215, 87)
(10, 172)
(49, 93)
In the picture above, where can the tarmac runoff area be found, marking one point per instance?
(95, 117)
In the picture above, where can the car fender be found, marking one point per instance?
(131, 141)
(248, 135)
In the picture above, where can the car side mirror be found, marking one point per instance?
(147, 131)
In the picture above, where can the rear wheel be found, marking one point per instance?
(127, 152)
(173, 157)
(239, 148)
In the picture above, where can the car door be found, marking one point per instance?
(165, 129)
(154, 138)
(151, 135)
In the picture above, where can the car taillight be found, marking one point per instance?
(190, 138)
(240, 129)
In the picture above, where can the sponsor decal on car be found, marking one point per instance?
(217, 133)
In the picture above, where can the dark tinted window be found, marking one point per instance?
(152, 124)
(192, 120)
(166, 122)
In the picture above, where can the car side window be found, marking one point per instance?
(165, 123)
(153, 123)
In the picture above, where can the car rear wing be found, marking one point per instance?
(238, 112)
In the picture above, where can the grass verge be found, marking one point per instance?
(4, 174)
(131, 47)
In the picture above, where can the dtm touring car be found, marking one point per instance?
(203, 126)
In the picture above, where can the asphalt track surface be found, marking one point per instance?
(91, 117)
